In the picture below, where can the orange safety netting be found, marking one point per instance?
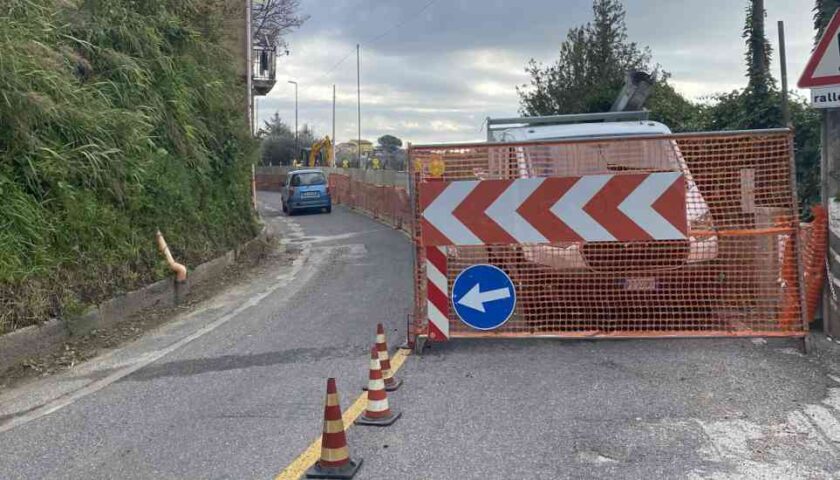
(737, 274)
(389, 204)
(814, 249)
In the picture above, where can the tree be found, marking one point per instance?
(758, 49)
(389, 143)
(274, 18)
(306, 136)
(823, 11)
(591, 70)
(758, 105)
(278, 144)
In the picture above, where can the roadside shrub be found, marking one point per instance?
(116, 118)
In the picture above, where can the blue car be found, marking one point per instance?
(306, 189)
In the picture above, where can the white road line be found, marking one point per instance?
(144, 361)
(824, 421)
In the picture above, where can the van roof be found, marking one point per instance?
(582, 130)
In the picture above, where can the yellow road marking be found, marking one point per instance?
(301, 464)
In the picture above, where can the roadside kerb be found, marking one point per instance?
(20, 344)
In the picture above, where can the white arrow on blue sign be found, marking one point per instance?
(483, 297)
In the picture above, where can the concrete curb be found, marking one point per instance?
(20, 344)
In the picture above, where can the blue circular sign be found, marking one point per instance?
(483, 297)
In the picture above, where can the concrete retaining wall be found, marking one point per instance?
(20, 344)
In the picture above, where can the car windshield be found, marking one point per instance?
(309, 178)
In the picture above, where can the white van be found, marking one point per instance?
(528, 140)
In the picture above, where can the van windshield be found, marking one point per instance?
(310, 178)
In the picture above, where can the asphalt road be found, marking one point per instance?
(244, 399)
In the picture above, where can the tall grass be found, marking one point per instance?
(116, 117)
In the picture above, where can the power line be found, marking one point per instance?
(405, 20)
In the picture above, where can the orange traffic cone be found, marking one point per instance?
(335, 459)
(391, 382)
(378, 412)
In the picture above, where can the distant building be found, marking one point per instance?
(367, 146)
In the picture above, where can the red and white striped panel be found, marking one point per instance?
(591, 208)
(437, 293)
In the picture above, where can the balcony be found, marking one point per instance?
(264, 69)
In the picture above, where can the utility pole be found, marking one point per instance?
(359, 104)
(783, 62)
(297, 147)
(333, 128)
(825, 87)
(256, 118)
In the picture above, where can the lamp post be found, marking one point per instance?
(297, 147)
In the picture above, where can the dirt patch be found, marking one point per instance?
(79, 349)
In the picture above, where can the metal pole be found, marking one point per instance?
(783, 62)
(256, 115)
(297, 147)
(333, 129)
(830, 190)
(359, 104)
(249, 61)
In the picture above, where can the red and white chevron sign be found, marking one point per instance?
(592, 208)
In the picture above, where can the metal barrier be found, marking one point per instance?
(598, 244)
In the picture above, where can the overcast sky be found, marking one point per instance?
(431, 71)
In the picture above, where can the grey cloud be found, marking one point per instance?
(438, 76)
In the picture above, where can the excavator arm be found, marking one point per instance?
(316, 150)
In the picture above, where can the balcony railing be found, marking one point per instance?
(264, 71)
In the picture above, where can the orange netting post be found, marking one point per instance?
(815, 248)
(791, 311)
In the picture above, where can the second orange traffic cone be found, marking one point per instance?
(391, 381)
(378, 411)
(335, 459)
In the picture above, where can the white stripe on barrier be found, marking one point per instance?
(440, 320)
(638, 206)
(503, 211)
(569, 208)
(436, 277)
(439, 213)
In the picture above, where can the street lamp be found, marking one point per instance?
(297, 147)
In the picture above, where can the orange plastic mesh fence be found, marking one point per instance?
(814, 249)
(738, 273)
(386, 203)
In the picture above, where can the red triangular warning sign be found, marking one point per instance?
(824, 67)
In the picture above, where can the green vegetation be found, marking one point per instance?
(116, 117)
(589, 74)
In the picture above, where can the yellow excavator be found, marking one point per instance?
(314, 153)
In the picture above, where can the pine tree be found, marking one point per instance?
(823, 11)
(758, 49)
(590, 69)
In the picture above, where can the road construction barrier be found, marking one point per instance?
(388, 204)
(664, 236)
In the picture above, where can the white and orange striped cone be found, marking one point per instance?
(335, 459)
(378, 412)
(391, 381)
